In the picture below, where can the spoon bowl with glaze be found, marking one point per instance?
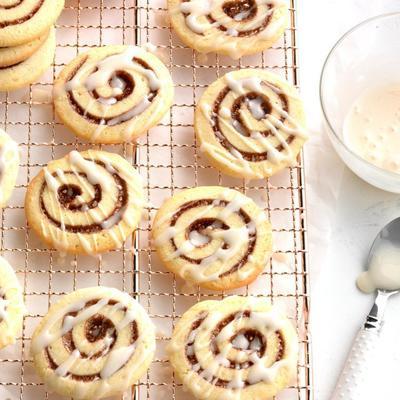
(382, 275)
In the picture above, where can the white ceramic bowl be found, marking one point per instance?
(366, 56)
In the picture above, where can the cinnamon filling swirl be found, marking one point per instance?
(68, 198)
(251, 335)
(239, 124)
(23, 19)
(128, 86)
(202, 224)
(97, 328)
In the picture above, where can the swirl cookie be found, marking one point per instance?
(23, 73)
(93, 343)
(250, 124)
(16, 54)
(237, 348)
(87, 202)
(235, 28)
(22, 21)
(9, 165)
(12, 307)
(113, 94)
(212, 236)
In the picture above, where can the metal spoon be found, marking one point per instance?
(352, 383)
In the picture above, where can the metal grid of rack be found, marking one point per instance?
(169, 161)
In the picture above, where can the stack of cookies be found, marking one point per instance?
(27, 40)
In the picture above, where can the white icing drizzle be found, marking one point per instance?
(64, 368)
(230, 240)
(93, 175)
(106, 69)
(116, 359)
(256, 142)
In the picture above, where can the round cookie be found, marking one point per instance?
(93, 343)
(250, 124)
(12, 307)
(213, 237)
(236, 348)
(88, 202)
(16, 54)
(234, 28)
(28, 71)
(113, 94)
(9, 165)
(22, 21)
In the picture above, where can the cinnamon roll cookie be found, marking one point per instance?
(20, 74)
(93, 343)
(113, 94)
(239, 348)
(212, 236)
(87, 202)
(22, 21)
(232, 27)
(9, 165)
(250, 124)
(12, 307)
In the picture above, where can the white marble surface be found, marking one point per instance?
(344, 215)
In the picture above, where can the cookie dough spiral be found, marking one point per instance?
(113, 94)
(230, 27)
(22, 21)
(93, 343)
(250, 124)
(12, 307)
(239, 348)
(214, 237)
(87, 202)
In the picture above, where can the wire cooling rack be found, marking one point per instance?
(169, 161)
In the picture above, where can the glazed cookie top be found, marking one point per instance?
(93, 343)
(86, 202)
(113, 94)
(251, 123)
(236, 348)
(22, 21)
(234, 27)
(9, 164)
(212, 236)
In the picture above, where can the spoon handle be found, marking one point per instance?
(353, 381)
